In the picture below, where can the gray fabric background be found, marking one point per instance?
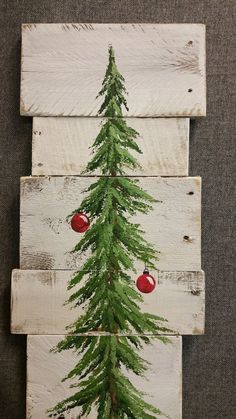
(209, 380)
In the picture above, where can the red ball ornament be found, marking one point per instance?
(146, 282)
(80, 222)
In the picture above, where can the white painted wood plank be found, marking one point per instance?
(163, 382)
(174, 225)
(63, 66)
(61, 145)
(38, 298)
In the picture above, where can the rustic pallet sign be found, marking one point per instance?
(62, 146)
(162, 384)
(179, 297)
(163, 67)
(174, 226)
(99, 174)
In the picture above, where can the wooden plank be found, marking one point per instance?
(162, 383)
(179, 297)
(63, 66)
(61, 145)
(174, 225)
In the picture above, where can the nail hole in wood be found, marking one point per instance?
(190, 90)
(191, 193)
(190, 43)
(186, 238)
(195, 292)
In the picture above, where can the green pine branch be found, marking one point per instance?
(100, 381)
(104, 287)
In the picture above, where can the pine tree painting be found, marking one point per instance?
(104, 286)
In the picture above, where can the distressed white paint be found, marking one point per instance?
(61, 146)
(38, 299)
(47, 239)
(63, 66)
(45, 370)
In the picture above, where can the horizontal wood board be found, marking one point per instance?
(45, 370)
(63, 66)
(173, 226)
(38, 299)
(61, 146)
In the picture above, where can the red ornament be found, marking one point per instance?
(80, 222)
(146, 282)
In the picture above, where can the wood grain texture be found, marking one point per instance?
(61, 145)
(174, 225)
(38, 296)
(162, 383)
(63, 66)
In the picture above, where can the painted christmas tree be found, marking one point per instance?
(104, 285)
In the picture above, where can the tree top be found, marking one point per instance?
(113, 89)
